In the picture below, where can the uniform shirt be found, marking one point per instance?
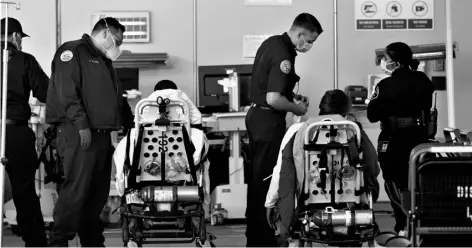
(405, 94)
(273, 69)
(85, 89)
(25, 75)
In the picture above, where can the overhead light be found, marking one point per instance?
(428, 55)
(126, 23)
(135, 33)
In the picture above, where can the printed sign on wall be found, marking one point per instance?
(394, 15)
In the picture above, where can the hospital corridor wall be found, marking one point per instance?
(221, 25)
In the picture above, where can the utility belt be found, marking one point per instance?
(95, 130)
(254, 105)
(16, 123)
(394, 123)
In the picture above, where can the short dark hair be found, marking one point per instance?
(164, 85)
(308, 22)
(335, 102)
(111, 22)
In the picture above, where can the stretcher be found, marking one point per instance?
(335, 206)
(163, 187)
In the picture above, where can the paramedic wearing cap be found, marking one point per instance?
(273, 81)
(24, 76)
(85, 100)
(399, 103)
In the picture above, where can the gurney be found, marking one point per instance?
(162, 174)
(331, 202)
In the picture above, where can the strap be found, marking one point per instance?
(189, 149)
(127, 163)
(134, 171)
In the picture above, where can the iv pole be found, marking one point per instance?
(3, 101)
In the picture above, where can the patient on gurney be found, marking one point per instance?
(177, 166)
(281, 201)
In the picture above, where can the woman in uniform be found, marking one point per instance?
(400, 102)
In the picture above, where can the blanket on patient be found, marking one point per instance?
(291, 173)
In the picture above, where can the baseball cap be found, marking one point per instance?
(14, 26)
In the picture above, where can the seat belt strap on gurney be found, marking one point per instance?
(127, 163)
(134, 171)
(189, 149)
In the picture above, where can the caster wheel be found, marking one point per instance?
(132, 244)
(206, 244)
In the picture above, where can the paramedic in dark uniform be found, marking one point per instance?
(24, 76)
(271, 93)
(85, 100)
(399, 103)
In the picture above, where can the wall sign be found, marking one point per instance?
(394, 15)
(251, 44)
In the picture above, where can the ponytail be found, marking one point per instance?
(414, 63)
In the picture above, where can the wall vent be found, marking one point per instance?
(136, 24)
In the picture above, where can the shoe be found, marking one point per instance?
(402, 233)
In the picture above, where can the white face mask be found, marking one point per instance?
(304, 47)
(383, 66)
(113, 52)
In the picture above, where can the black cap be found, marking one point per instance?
(14, 26)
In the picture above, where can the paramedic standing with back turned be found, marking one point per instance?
(24, 76)
(85, 100)
(400, 102)
(273, 81)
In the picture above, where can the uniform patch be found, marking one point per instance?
(286, 66)
(66, 56)
(375, 94)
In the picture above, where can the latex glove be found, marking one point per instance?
(272, 216)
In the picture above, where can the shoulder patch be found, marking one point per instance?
(375, 94)
(286, 66)
(66, 56)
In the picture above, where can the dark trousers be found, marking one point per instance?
(85, 189)
(266, 129)
(21, 168)
(394, 194)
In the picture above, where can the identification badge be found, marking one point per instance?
(382, 146)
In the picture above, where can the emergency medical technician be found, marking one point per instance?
(273, 81)
(85, 102)
(400, 102)
(24, 76)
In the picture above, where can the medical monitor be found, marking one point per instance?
(211, 95)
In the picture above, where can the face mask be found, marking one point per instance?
(113, 52)
(383, 66)
(304, 47)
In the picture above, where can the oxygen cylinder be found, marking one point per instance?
(344, 218)
(169, 194)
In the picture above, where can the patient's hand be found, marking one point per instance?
(272, 216)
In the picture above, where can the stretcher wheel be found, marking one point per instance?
(398, 241)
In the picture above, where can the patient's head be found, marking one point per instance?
(165, 85)
(335, 102)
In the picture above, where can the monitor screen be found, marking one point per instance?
(211, 94)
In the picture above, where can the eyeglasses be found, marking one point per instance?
(118, 41)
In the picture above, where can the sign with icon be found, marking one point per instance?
(398, 15)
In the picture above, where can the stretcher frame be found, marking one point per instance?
(3, 118)
(188, 236)
(414, 231)
(305, 241)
